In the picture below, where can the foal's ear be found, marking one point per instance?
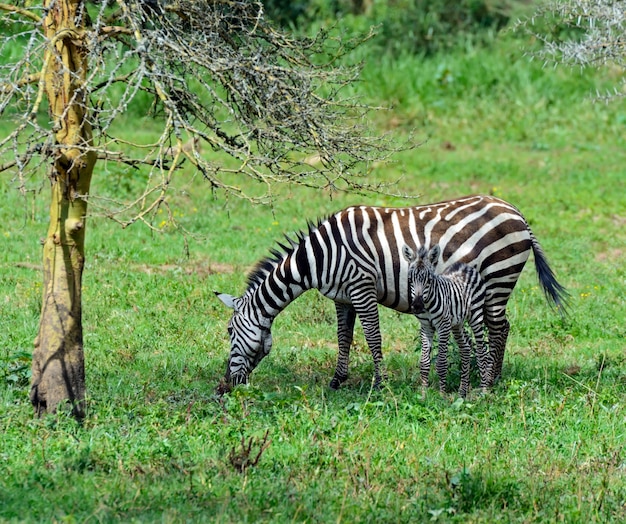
(408, 253)
(228, 300)
(433, 254)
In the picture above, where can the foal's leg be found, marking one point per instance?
(427, 333)
(465, 351)
(484, 357)
(444, 329)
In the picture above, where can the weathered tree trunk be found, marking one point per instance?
(58, 368)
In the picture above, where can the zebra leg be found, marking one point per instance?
(483, 356)
(497, 344)
(465, 351)
(346, 316)
(498, 358)
(427, 334)
(498, 326)
(444, 329)
(366, 307)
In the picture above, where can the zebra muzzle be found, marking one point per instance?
(237, 379)
(417, 306)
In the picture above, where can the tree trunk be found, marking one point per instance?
(58, 368)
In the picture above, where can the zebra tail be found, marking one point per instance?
(556, 294)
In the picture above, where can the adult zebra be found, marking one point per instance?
(354, 257)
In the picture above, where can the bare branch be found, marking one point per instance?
(215, 88)
(581, 33)
(115, 31)
(21, 11)
(29, 79)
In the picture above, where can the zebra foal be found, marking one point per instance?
(354, 257)
(443, 303)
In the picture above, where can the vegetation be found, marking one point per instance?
(416, 26)
(582, 34)
(218, 75)
(547, 445)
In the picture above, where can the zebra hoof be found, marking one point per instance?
(336, 382)
(379, 380)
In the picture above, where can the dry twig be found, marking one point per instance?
(242, 460)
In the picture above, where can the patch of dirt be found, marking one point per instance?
(199, 268)
(611, 254)
(619, 221)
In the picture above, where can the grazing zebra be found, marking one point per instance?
(354, 258)
(443, 303)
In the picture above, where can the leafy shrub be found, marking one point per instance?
(286, 12)
(306, 12)
(414, 26)
(15, 368)
(427, 26)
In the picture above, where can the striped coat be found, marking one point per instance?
(443, 303)
(354, 258)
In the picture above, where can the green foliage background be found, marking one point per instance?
(546, 446)
(415, 26)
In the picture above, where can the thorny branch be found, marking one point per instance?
(26, 13)
(211, 84)
(581, 33)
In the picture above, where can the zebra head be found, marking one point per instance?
(250, 338)
(421, 271)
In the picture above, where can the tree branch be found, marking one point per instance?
(21, 11)
(170, 78)
(33, 78)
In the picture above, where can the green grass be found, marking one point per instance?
(157, 445)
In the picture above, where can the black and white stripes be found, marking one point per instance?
(354, 257)
(444, 303)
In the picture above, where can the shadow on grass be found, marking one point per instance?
(280, 375)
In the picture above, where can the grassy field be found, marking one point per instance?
(548, 445)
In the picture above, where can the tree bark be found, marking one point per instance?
(58, 367)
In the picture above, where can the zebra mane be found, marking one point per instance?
(283, 249)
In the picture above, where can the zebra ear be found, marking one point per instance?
(408, 253)
(228, 300)
(433, 254)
